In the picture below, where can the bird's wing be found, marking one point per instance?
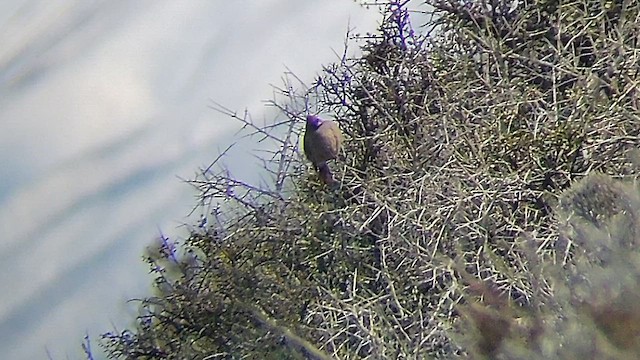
(306, 144)
(312, 144)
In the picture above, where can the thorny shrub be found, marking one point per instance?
(462, 137)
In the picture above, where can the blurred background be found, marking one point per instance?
(104, 106)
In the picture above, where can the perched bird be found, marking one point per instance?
(322, 141)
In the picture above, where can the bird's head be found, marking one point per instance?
(313, 122)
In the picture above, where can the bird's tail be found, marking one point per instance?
(325, 174)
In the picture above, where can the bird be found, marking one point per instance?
(322, 142)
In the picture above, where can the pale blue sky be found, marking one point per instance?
(103, 104)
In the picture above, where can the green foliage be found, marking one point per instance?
(459, 146)
(594, 311)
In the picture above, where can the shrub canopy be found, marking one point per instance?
(462, 137)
